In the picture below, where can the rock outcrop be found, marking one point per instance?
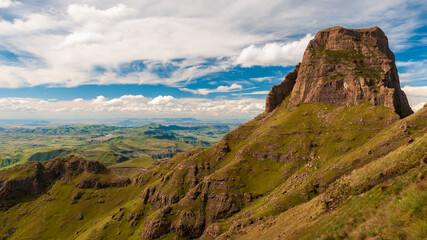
(279, 92)
(34, 178)
(345, 67)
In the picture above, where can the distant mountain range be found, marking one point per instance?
(128, 122)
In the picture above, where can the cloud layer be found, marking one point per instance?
(131, 106)
(166, 106)
(60, 43)
(177, 43)
(8, 3)
(415, 72)
(417, 96)
(221, 89)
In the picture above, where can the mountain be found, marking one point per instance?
(337, 154)
(344, 67)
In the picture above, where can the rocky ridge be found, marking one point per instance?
(35, 178)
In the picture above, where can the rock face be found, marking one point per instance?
(34, 178)
(279, 92)
(344, 67)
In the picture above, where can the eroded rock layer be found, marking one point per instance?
(345, 67)
(35, 178)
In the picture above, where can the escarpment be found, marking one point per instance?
(35, 178)
(345, 67)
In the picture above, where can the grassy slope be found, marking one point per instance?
(322, 135)
(323, 144)
(48, 154)
(368, 210)
(315, 175)
(143, 162)
(55, 217)
(59, 214)
(134, 166)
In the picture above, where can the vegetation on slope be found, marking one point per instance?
(108, 144)
(315, 172)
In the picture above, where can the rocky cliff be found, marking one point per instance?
(279, 92)
(344, 67)
(35, 178)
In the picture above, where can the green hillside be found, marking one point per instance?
(108, 144)
(48, 155)
(352, 172)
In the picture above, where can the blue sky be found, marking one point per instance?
(204, 59)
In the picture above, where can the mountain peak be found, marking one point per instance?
(344, 67)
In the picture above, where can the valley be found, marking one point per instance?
(104, 143)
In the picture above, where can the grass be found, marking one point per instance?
(108, 144)
(290, 163)
(20, 171)
(55, 210)
(398, 211)
(359, 128)
(142, 162)
(341, 56)
(48, 155)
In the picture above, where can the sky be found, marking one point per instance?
(208, 59)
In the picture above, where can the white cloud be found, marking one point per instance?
(131, 106)
(413, 71)
(8, 3)
(262, 79)
(274, 54)
(82, 38)
(205, 91)
(415, 91)
(418, 106)
(161, 100)
(417, 96)
(85, 13)
(70, 39)
(257, 93)
(30, 24)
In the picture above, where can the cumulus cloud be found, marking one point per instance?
(205, 91)
(28, 25)
(274, 54)
(161, 100)
(72, 44)
(8, 3)
(102, 101)
(417, 96)
(132, 106)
